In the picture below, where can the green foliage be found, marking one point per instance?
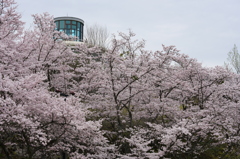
(134, 77)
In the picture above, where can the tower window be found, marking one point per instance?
(71, 26)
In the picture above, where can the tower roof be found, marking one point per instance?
(69, 18)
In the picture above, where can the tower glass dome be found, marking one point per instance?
(71, 26)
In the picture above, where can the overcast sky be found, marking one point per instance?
(203, 29)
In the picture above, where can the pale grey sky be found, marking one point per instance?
(203, 29)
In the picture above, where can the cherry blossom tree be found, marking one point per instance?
(161, 104)
(36, 122)
(120, 102)
(192, 102)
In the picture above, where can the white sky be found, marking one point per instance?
(203, 29)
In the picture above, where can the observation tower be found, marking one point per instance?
(72, 26)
